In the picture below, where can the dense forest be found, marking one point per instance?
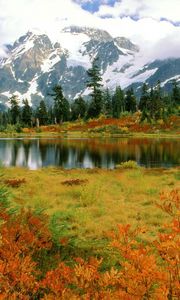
(154, 104)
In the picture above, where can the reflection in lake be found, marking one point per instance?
(89, 153)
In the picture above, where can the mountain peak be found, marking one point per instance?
(34, 64)
(126, 44)
(93, 33)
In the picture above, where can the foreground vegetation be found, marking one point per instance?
(60, 239)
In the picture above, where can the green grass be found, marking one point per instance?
(85, 213)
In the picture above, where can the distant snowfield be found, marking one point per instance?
(123, 72)
(74, 44)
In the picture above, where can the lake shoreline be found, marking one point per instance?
(89, 135)
(129, 126)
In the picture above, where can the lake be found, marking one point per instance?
(35, 153)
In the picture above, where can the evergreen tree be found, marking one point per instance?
(14, 110)
(61, 105)
(107, 101)
(6, 118)
(152, 105)
(41, 113)
(157, 102)
(50, 115)
(26, 113)
(118, 102)
(156, 107)
(175, 94)
(130, 101)
(144, 99)
(95, 107)
(78, 108)
(3, 122)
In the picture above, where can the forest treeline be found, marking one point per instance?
(153, 103)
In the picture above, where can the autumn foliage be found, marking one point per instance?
(15, 182)
(144, 271)
(77, 181)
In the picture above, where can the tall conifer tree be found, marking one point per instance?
(118, 102)
(42, 113)
(26, 113)
(130, 101)
(61, 105)
(94, 83)
(107, 102)
(14, 110)
(78, 108)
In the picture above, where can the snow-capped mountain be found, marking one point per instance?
(34, 64)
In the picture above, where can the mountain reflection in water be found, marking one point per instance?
(89, 153)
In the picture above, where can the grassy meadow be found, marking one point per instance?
(83, 205)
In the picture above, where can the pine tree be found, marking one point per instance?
(61, 105)
(26, 113)
(6, 118)
(78, 108)
(175, 94)
(144, 99)
(107, 101)
(14, 110)
(130, 101)
(50, 115)
(95, 107)
(157, 101)
(41, 113)
(118, 102)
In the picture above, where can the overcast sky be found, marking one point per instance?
(152, 24)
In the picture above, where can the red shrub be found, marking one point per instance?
(15, 182)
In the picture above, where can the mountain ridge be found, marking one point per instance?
(34, 64)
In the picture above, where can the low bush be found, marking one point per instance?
(77, 181)
(2, 128)
(130, 164)
(18, 128)
(15, 182)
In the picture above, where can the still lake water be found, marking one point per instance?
(89, 153)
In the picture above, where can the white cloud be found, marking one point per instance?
(2, 52)
(166, 47)
(156, 9)
(17, 17)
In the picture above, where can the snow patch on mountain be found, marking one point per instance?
(123, 72)
(31, 91)
(74, 43)
(52, 60)
(19, 51)
(7, 94)
(177, 78)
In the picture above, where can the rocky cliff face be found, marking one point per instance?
(34, 64)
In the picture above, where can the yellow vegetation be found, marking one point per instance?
(95, 200)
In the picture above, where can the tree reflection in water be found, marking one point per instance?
(88, 153)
